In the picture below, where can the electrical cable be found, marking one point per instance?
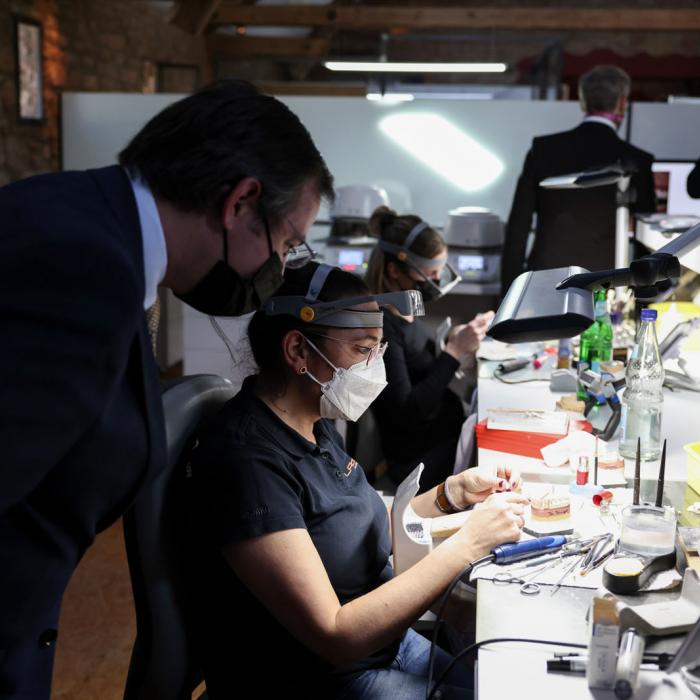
(499, 375)
(477, 645)
(224, 338)
(433, 645)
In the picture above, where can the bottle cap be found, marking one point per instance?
(648, 314)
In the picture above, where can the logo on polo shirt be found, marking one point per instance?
(352, 465)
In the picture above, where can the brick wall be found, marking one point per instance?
(100, 45)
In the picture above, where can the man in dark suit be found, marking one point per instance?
(576, 227)
(693, 182)
(208, 200)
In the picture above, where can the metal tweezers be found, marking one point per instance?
(569, 569)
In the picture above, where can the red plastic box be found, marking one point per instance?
(517, 442)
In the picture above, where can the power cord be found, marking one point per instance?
(477, 645)
(224, 338)
(497, 374)
(433, 645)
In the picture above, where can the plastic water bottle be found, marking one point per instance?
(643, 399)
(597, 339)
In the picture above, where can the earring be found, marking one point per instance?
(302, 370)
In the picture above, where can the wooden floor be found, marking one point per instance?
(97, 625)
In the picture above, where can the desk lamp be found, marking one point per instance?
(552, 304)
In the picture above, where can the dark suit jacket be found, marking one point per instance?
(574, 227)
(81, 425)
(693, 182)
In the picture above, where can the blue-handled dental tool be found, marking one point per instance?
(515, 551)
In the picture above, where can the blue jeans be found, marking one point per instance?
(407, 676)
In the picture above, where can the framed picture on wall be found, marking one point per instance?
(177, 78)
(30, 73)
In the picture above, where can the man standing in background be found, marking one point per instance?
(693, 182)
(576, 226)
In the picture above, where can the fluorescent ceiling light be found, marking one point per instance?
(444, 148)
(390, 97)
(402, 67)
(454, 95)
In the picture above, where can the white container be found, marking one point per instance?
(648, 531)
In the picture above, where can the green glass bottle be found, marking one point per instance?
(597, 340)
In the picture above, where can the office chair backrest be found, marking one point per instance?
(162, 666)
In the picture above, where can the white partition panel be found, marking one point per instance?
(430, 155)
(458, 142)
(669, 131)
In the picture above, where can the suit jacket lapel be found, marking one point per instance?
(118, 193)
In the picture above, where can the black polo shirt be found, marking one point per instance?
(419, 417)
(251, 474)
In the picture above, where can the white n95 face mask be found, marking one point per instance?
(349, 392)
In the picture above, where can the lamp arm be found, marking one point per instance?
(684, 243)
(661, 266)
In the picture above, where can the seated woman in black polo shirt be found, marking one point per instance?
(419, 418)
(293, 588)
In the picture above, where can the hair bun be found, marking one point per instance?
(382, 218)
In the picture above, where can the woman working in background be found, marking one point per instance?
(419, 418)
(294, 593)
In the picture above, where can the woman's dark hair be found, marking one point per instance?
(265, 332)
(195, 150)
(386, 224)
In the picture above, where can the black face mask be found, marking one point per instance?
(429, 291)
(223, 292)
(432, 289)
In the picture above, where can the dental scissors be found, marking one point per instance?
(576, 548)
(527, 585)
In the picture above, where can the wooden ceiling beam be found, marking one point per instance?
(193, 15)
(225, 48)
(384, 17)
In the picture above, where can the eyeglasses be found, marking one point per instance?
(299, 255)
(295, 256)
(372, 352)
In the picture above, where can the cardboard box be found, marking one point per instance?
(604, 639)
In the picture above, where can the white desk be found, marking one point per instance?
(680, 425)
(519, 670)
(506, 672)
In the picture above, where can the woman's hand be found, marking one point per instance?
(500, 518)
(466, 338)
(475, 485)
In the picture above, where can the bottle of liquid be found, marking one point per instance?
(596, 340)
(564, 354)
(642, 401)
(621, 339)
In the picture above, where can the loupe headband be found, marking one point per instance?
(403, 254)
(340, 314)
